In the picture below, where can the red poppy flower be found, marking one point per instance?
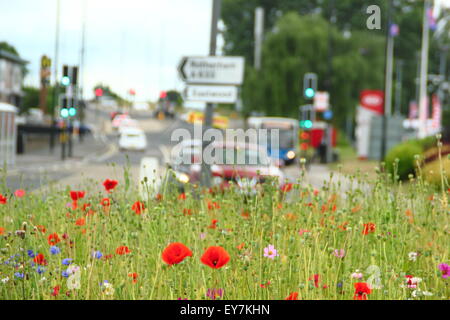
(368, 228)
(53, 239)
(55, 291)
(19, 193)
(77, 195)
(80, 222)
(213, 205)
(187, 212)
(110, 184)
(41, 228)
(105, 202)
(3, 199)
(287, 187)
(175, 252)
(40, 259)
(213, 224)
(292, 296)
(123, 250)
(159, 197)
(2, 231)
(138, 207)
(133, 275)
(361, 291)
(316, 280)
(215, 257)
(182, 196)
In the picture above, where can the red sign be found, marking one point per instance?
(132, 92)
(372, 100)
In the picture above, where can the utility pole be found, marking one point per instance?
(388, 81)
(259, 32)
(207, 124)
(55, 73)
(81, 72)
(422, 132)
(399, 87)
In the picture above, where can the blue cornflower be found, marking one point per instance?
(54, 250)
(31, 253)
(40, 270)
(19, 275)
(67, 261)
(97, 254)
(65, 274)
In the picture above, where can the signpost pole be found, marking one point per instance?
(206, 169)
(388, 82)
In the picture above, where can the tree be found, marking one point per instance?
(298, 45)
(367, 51)
(175, 97)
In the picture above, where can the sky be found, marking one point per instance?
(129, 44)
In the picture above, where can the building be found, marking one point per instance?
(11, 78)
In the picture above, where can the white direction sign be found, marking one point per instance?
(321, 101)
(211, 94)
(212, 70)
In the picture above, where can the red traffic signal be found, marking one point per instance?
(98, 92)
(132, 92)
(163, 95)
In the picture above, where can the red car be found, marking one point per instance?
(245, 164)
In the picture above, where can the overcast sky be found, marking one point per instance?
(129, 44)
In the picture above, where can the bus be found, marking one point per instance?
(288, 129)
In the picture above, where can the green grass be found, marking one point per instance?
(272, 220)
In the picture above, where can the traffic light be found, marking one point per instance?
(163, 95)
(70, 76)
(305, 140)
(65, 80)
(72, 109)
(64, 111)
(306, 124)
(309, 85)
(98, 92)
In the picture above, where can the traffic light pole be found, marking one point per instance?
(207, 124)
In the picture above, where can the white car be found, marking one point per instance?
(132, 139)
(118, 119)
(127, 123)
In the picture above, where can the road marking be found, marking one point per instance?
(165, 150)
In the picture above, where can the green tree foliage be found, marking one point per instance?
(175, 97)
(9, 48)
(358, 61)
(289, 52)
(31, 99)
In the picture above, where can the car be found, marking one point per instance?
(127, 123)
(132, 139)
(245, 164)
(118, 120)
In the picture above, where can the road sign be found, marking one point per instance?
(212, 70)
(211, 94)
(321, 101)
(372, 100)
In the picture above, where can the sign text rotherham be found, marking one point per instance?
(212, 70)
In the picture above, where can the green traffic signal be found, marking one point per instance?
(65, 81)
(64, 113)
(309, 93)
(306, 124)
(72, 111)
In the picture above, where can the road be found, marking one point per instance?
(109, 163)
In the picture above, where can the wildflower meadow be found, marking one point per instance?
(377, 239)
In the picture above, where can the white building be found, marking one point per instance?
(11, 78)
